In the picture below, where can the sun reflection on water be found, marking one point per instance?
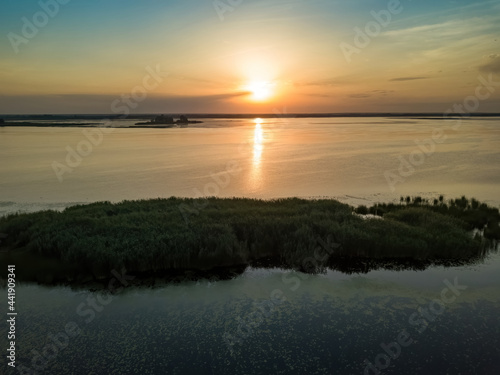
(258, 148)
(258, 142)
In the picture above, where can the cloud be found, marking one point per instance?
(220, 96)
(453, 28)
(453, 40)
(320, 95)
(359, 96)
(448, 28)
(492, 66)
(400, 79)
(383, 92)
(371, 93)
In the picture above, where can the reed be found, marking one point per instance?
(150, 236)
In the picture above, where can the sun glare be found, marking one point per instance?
(260, 90)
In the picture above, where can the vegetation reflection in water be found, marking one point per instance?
(324, 326)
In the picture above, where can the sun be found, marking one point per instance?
(260, 90)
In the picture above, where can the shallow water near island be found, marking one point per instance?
(272, 321)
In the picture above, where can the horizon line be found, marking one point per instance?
(253, 115)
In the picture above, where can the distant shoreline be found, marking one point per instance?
(33, 121)
(49, 125)
(92, 125)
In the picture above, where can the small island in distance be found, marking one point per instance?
(163, 121)
(157, 122)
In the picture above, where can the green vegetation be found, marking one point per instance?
(474, 214)
(152, 236)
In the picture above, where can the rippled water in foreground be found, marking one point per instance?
(273, 321)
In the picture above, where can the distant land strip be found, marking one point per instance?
(81, 125)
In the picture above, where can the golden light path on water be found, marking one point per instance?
(258, 148)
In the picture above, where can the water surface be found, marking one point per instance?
(272, 321)
(345, 158)
(323, 324)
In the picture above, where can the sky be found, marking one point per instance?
(248, 56)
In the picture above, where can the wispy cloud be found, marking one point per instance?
(320, 95)
(359, 96)
(383, 92)
(449, 25)
(373, 93)
(400, 79)
(474, 18)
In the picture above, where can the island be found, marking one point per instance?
(157, 122)
(176, 239)
(167, 122)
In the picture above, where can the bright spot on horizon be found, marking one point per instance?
(261, 90)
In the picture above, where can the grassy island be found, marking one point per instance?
(173, 236)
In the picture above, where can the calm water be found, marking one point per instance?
(271, 322)
(344, 158)
(265, 321)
